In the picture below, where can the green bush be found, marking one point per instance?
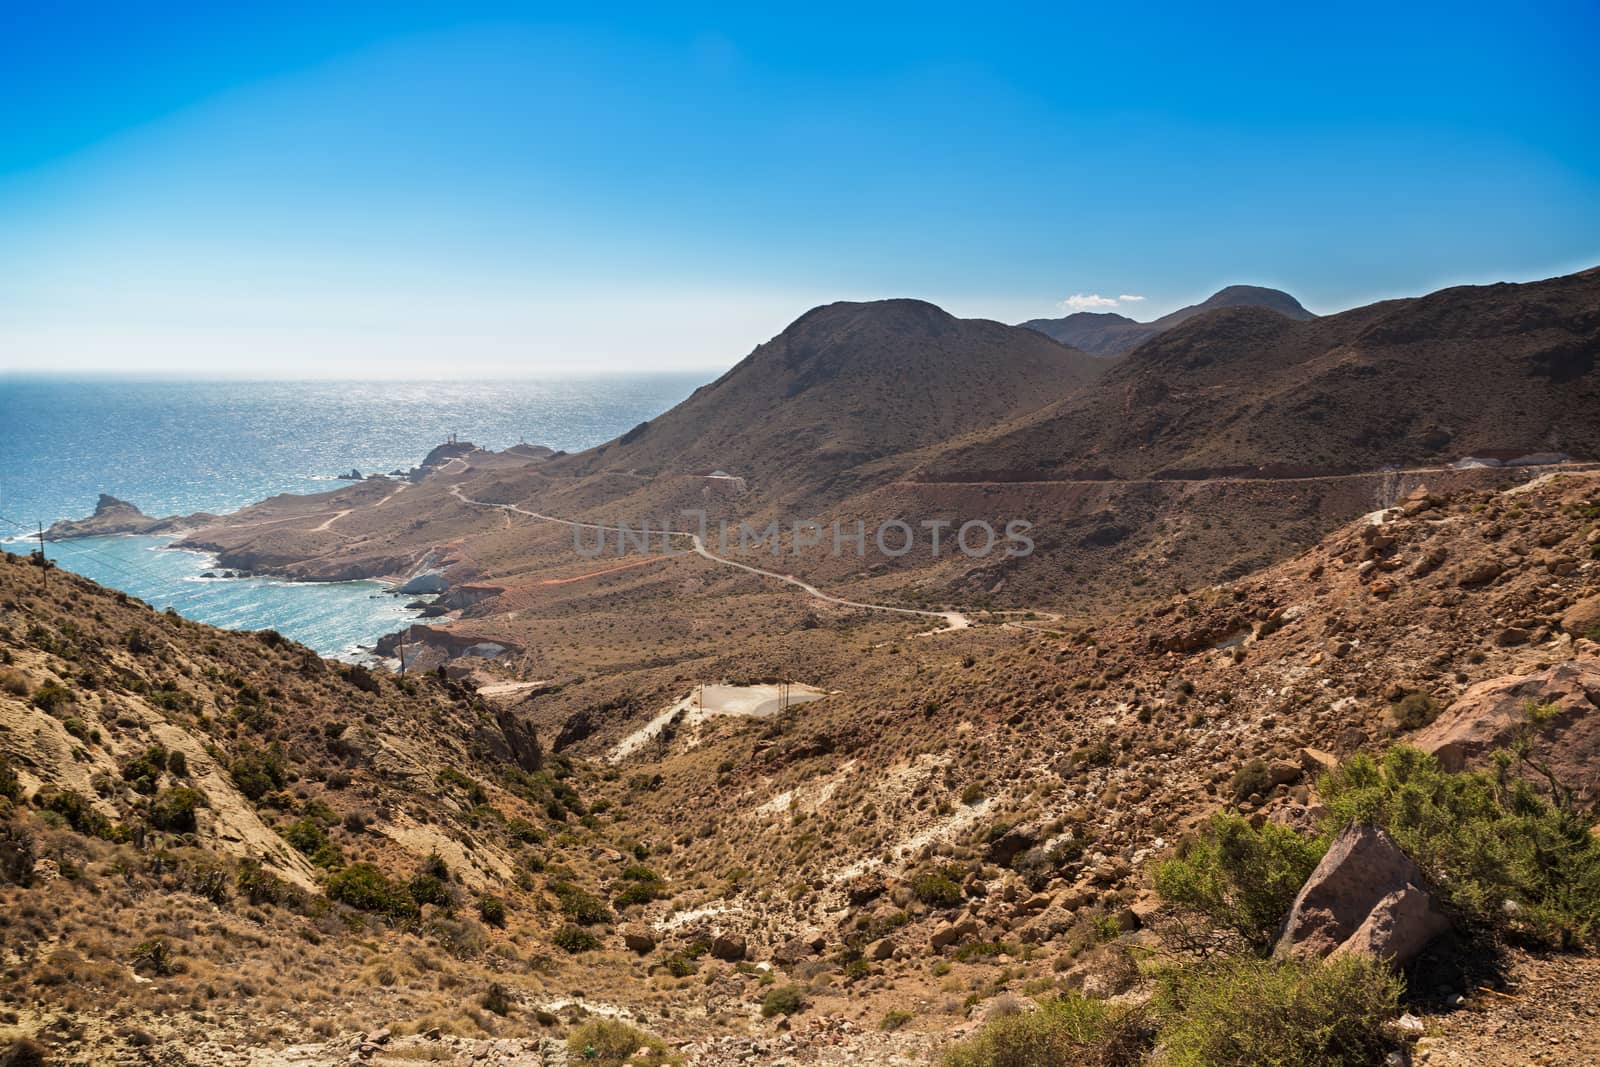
(51, 695)
(581, 907)
(1242, 1012)
(575, 939)
(937, 889)
(1415, 710)
(1241, 877)
(1072, 1029)
(173, 810)
(492, 910)
(76, 810)
(612, 1043)
(426, 888)
(783, 1000)
(257, 773)
(1482, 838)
(10, 788)
(17, 854)
(364, 887)
(1249, 780)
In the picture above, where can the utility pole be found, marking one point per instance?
(402, 653)
(44, 564)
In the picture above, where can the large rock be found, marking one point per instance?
(798, 948)
(428, 582)
(1583, 618)
(728, 946)
(1492, 713)
(638, 938)
(1365, 896)
(953, 933)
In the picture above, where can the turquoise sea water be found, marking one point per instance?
(175, 447)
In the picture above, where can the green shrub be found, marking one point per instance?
(492, 910)
(144, 770)
(937, 889)
(310, 837)
(783, 1000)
(257, 773)
(1072, 1029)
(426, 888)
(1241, 1012)
(1414, 710)
(364, 887)
(51, 695)
(76, 810)
(1249, 780)
(17, 854)
(1239, 876)
(579, 906)
(173, 810)
(260, 886)
(10, 788)
(1482, 838)
(612, 1043)
(575, 939)
(894, 1019)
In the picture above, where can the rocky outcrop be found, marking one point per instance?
(422, 584)
(1557, 709)
(1365, 896)
(1583, 618)
(112, 516)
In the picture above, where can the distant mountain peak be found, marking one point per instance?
(1110, 334)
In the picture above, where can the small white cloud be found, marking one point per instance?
(1086, 301)
(1128, 298)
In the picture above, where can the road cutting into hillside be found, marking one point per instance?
(953, 620)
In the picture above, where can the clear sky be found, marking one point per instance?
(458, 188)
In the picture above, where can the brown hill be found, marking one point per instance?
(1110, 334)
(845, 384)
(1496, 370)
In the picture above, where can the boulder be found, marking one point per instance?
(796, 949)
(1316, 761)
(1365, 896)
(1479, 572)
(1583, 618)
(1398, 928)
(1284, 772)
(728, 946)
(1010, 844)
(880, 950)
(638, 938)
(953, 932)
(1492, 713)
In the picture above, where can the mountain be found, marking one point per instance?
(845, 384)
(1496, 370)
(1110, 334)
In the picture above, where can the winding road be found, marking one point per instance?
(953, 620)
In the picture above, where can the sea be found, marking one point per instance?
(175, 447)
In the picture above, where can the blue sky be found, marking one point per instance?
(443, 189)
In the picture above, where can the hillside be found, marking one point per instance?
(1110, 334)
(1497, 370)
(959, 821)
(845, 384)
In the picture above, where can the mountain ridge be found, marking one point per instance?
(1110, 334)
